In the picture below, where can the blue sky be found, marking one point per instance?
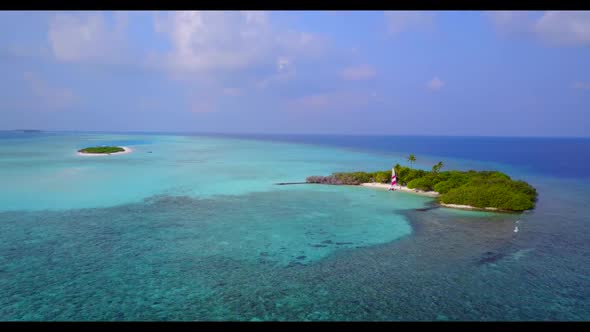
(332, 72)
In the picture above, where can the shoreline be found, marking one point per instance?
(401, 188)
(127, 150)
(432, 194)
(469, 207)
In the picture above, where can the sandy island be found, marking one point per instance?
(429, 194)
(127, 150)
(402, 188)
(467, 207)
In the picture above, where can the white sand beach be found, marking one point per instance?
(127, 150)
(467, 207)
(401, 188)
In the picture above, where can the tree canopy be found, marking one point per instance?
(478, 189)
(102, 149)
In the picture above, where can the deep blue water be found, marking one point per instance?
(559, 157)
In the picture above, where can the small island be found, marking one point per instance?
(482, 190)
(103, 150)
(28, 130)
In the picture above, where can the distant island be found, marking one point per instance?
(485, 190)
(103, 150)
(28, 130)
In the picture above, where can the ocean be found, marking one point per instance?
(193, 227)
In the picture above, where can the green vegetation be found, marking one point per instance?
(411, 159)
(102, 149)
(478, 189)
(436, 168)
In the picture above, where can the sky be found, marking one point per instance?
(464, 73)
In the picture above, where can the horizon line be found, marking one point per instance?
(285, 134)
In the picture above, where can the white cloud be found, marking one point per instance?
(435, 84)
(398, 21)
(298, 43)
(87, 37)
(214, 40)
(554, 28)
(49, 97)
(508, 21)
(228, 41)
(564, 28)
(229, 53)
(358, 73)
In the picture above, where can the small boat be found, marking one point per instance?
(516, 229)
(393, 179)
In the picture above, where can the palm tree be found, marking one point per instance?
(411, 159)
(436, 168)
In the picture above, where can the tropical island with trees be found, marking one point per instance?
(486, 190)
(102, 150)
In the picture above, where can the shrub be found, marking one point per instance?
(355, 178)
(450, 180)
(423, 183)
(382, 177)
(481, 194)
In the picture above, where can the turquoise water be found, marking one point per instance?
(194, 228)
(46, 173)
